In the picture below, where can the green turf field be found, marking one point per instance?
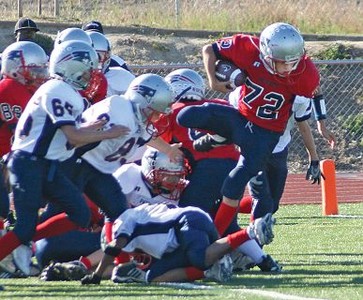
(322, 259)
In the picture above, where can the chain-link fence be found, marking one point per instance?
(342, 83)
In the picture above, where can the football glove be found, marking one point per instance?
(52, 273)
(314, 174)
(91, 279)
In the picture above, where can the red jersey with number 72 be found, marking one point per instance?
(266, 99)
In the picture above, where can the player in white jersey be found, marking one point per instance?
(118, 78)
(157, 180)
(46, 134)
(91, 168)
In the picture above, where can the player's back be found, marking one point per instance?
(53, 105)
(108, 155)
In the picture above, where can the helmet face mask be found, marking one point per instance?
(26, 62)
(186, 84)
(166, 178)
(281, 43)
(74, 62)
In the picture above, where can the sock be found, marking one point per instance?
(54, 226)
(237, 238)
(87, 263)
(8, 242)
(253, 250)
(245, 205)
(224, 217)
(193, 273)
(108, 231)
(123, 257)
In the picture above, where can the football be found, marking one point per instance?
(227, 71)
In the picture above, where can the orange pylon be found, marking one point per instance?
(328, 188)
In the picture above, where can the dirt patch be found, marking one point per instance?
(145, 46)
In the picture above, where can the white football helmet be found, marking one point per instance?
(281, 42)
(103, 48)
(72, 34)
(164, 176)
(26, 62)
(74, 62)
(152, 96)
(186, 84)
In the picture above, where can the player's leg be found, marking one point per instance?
(207, 187)
(26, 178)
(277, 176)
(66, 247)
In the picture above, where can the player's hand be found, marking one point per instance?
(91, 279)
(220, 86)
(174, 152)
(314, 174)
(118, 130)
(327, 134)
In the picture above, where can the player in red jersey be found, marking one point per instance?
(277, 70)
(24, 68)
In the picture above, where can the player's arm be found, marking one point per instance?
(313, 174)
(308, 139)
(209, 61)
(319, 108)
(171, 150)
(81, 136)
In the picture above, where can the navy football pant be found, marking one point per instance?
(256, 143)
(66, 247)
(273, 183)
(33, 179)
(4, 197)
(103, 189)
(195, 232)
(204, 188)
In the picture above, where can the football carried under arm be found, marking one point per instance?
(226, 71)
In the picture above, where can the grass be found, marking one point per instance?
(322, 259)
(310, 16)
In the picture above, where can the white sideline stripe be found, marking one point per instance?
(346, 216)
(275, 295)
(187, 285)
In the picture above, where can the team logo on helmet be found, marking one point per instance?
(82, 56)
(144, 91)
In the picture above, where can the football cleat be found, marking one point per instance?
(208, 142)
(268, 264)
(261, 229)
(220, 271)
(128, 273)
(241, 262)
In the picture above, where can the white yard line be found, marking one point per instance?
(274, 295)
(264, 293)
(346, 216)
(186, 285)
